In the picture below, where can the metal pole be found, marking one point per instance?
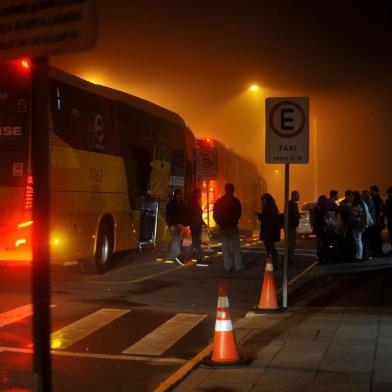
(208, 203)
(286, 233)
(42, 378)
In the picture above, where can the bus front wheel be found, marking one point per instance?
(103, 256)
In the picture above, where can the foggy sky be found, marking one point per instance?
(199, 57)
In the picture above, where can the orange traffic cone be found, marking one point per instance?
(268, 300)
(225, 350)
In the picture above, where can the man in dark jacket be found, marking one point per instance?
(227, 213)
(196, 222)
(379, 224)
(175, 220)
(293, 224)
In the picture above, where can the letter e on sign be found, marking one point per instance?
(287, 124)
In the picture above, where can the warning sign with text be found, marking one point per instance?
(206, 164)
(287, 130)
(34, 28)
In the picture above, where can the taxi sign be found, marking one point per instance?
(287, 130)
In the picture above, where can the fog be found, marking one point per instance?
(198, 59)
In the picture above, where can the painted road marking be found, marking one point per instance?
(14, 315)
(17, 314)
(166, 335)
(168, 361)
(72, 333)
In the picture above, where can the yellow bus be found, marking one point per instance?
(114, 161)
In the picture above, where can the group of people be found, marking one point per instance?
(345, 231)
(352, 229)
(226, 213)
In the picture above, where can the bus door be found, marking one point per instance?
(149, 222)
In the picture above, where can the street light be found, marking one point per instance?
(254, 87)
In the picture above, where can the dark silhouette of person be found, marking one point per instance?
(270, 227)
(227, 213)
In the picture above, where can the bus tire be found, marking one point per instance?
(102, 259)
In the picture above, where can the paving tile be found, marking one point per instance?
(382, 387)
(194, 379)
(382, 365)
(356, 333)
(356, 348)
(346, 366)
(382, 377)
(339, 388)
(287, 376)
(223, 387)
(354, 341)
(349, 355)
(330, 377)
(233, 376)
(302, 348)
(277, 388)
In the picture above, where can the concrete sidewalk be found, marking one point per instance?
(338, 337)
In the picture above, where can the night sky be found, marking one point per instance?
(198, 58)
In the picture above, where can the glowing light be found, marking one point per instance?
(56, 241)
(20, 242)
(276, 171)
(208, 139)
(25, 224)
(55, 343)
(254, 87)
(25, 64)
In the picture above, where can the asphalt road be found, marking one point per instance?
(130, 329)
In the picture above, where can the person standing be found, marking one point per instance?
(388, 214)
(196, 223)
(293, 224)
(357, 224)
(379, 224)
(331, 225)
(319, 214)
(227, 213)
(367, 199)
(176, 220)
(270, 227)
(343, 228)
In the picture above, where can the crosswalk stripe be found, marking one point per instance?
(165, 336)
(15, 315)
(72, 333)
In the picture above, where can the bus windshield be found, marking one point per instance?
(14, 123)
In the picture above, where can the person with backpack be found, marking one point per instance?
(227, 213)
(270, 227)
(176, 216)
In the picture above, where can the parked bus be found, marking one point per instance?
(114, 161)
(238, 170)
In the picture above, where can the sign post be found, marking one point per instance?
(36, 29)
(287, 141)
